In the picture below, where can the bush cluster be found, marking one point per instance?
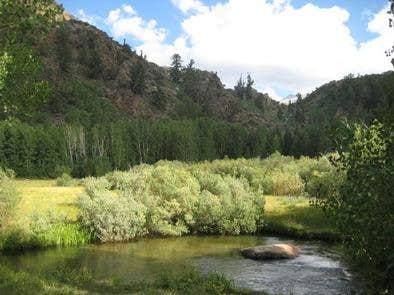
(65, 180)
(175, 198)
(169, 199)
(364, 205)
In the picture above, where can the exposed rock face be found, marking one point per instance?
(87, 45)
(278, 251)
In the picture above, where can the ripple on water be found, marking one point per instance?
(311, 273)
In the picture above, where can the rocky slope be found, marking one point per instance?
(80, 53)
(96, 77)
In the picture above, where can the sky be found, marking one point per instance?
(288, 46)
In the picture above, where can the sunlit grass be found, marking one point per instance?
(283, 215)
(296, 217)
(39, 196)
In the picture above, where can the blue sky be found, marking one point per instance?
(168, 16)
(177, 30)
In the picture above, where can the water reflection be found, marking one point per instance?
(316, 271)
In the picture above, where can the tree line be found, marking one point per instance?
(49, 151)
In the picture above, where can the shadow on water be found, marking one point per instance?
(316, 271)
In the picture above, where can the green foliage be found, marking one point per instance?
(138, 77)
(22, 91)
(176, 68)
(244, 89)
(9, 196)
(111, 218)
(39, 235)
(63, 50)
(65, 180)
(295, 217)
(284, 183)
(26, 22)
(170, 199)
(70, 279)
(362, 209)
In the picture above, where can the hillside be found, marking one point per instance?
(96, 77)
(310, 125)
(98, 80)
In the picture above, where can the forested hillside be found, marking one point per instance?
(106, 107)
(96, 78)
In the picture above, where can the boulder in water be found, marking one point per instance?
(278, 251)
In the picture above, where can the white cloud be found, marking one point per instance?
(272, 93)
(113, 16)
(92, 19)
(187, 6)
(129, 9)
(125, 21)
(285, 48)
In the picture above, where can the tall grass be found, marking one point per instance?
(18, 238)
(69, 280)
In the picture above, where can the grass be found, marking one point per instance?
(39, 196)
(34, 227)
(293, 216)
(288, 216)
(68, 280)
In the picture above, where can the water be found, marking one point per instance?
(316, 271)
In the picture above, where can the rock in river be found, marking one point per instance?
(277, 251)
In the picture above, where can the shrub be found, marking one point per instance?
(65, 180)
(169, 199)
(285, 183)
(363, 208)
(9, 196)
(227, 206)
(324, 184)
(112, 218)
(61, 170)
(95, 186)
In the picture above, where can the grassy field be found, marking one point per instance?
(283, 215)
(39, 196)
(295, 217)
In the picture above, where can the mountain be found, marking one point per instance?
(92, 73)
(110, 109)
(98, 80)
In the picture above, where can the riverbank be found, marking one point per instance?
(68, 281)
(45, 203)
(147, 259)
(296, 218)
(293, 217)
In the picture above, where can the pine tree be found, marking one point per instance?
(240, 88)
(176, 69)
(138, 74)
(249, 87)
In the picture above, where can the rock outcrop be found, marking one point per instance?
(278, 251)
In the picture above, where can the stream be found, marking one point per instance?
(318, 270)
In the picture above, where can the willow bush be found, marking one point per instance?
(168, 199)
(172, 198)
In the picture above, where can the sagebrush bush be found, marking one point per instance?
(9, 196)
(169, 199)
(175, 198)
(95, 185)
(112, 218)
